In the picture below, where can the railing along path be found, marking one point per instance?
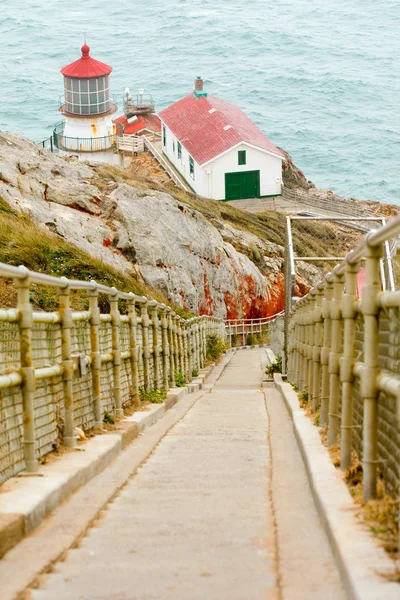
(67, 368)
(344, 351)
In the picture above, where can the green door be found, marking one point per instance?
(244, 184)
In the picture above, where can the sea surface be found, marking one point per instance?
(320, 78)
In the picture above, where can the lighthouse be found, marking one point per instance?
(87, 107)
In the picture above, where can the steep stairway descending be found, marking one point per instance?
(220, 510)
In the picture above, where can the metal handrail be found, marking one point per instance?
(151, 147)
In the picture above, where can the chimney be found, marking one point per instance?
(198, 84)
(198, 87)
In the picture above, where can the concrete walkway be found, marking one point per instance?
(212, 514)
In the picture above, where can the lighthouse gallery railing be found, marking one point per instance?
(78, 144)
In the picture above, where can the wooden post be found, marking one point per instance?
(134, 350)
(68, 365)
(28, 385)
(95, 356)
(116, 351)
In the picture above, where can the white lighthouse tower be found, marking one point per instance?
(87, 106)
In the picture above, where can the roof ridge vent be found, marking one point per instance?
(227, 127)
(212, 110)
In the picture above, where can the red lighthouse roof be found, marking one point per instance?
(86, 67)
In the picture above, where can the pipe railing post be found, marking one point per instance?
(181, 344)
(325, 350)
(67, 324)
(349, 311)
(175, 319)
(334, 360)
(28, 385)
(310, 349)
(316, 396)
(165, 347)
(95, 356)
(144, 314)
(303, 362)
(134, 350)
(185, 350)
(116, 351)
(369, 389)
(156, 344)
(171, 345)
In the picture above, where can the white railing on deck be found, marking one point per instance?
(130, 143)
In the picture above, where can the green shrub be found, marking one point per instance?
(215, 347)
(275, 367)
(251, 339)
(303, 397)
(108, 418)
(180, 380)
(195, 373)
(154, 396)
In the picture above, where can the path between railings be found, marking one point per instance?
(220, 509)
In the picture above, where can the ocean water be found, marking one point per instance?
(321, 78)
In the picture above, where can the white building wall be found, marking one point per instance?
(182, 165)
(209, 180)
(270, 168)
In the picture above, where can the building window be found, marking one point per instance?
(173, 147)
(164, 136)
(242, 157)
(179, 151)
(191, 167)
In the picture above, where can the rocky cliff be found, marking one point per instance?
(204, 257)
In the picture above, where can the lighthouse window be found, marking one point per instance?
(87, 96)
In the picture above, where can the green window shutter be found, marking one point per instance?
(242, 157)
(179, 150)
(191, 167)
(164, 135)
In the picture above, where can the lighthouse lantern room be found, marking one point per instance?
(87, 107)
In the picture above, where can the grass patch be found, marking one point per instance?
(23, 242)
(215, 348)
(180, 380)
(153, 396)
(108, 418)
(275, 367)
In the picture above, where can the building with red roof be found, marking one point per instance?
(218, 150)
(137, 124)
